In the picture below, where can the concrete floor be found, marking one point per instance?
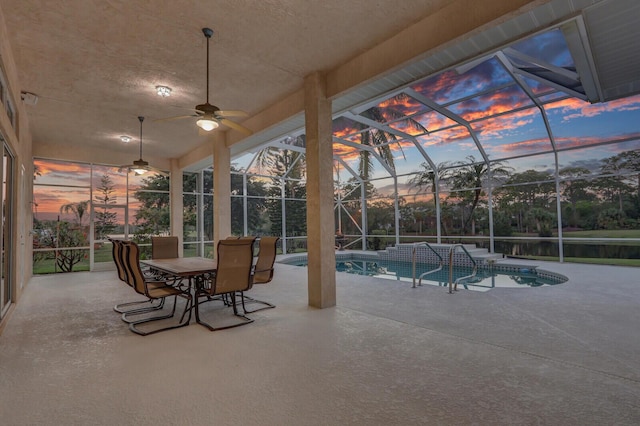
(388, 354)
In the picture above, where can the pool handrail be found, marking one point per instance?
(413, 263)
(473, 273)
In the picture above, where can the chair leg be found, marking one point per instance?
(252, 300)
(245, 319)
(133, 325)
(119, 307)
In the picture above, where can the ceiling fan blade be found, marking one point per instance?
(235, 126)
(178, 117)
(232, 113)
(157, 171)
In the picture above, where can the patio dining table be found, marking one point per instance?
(191, 268)
(183, 267)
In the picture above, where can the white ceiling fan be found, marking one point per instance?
(210, 116)
(140, 166)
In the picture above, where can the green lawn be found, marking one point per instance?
(604, 233)
(588, 260)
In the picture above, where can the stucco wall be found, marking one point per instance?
(20, 143)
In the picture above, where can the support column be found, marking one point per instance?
(221, 191)
(176, 202)
(320, 219)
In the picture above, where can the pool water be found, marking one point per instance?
(485, 279)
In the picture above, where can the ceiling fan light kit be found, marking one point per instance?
(207, 122)
(139, 171)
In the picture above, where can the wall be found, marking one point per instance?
(20, 142)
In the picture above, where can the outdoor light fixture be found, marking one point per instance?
(207, 122)
(139, 171)
(163, 91)
(125, 138)
(140, 166)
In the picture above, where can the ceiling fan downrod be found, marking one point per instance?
(208, 32)
(141, 119)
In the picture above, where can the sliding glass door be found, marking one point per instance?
(5, 230)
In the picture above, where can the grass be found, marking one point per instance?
(587, 260)
(604, 233)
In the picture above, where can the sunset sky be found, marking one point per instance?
(505, 120)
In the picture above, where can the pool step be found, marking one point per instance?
(404, 253)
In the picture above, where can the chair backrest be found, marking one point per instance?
(235, 260)
(132, 265)
(164, 247)
(117, 253)
(263, 271)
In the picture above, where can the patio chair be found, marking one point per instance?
(233, 274)
(153, 289)
(262, 271)
(164, 247)
(117, 250)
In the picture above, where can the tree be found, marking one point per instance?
(288, 186)
(381, 140)
(630, 160)
(429, 179)
(470, 177)
(78, 210)
(64, 236)
(575, 189)
(69, 235)
(615, 186)
(256, 203)
(620, 187)
(105, 220)
(542, 219)
(152, 218)
(523, 191)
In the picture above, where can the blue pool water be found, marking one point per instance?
(485, 279)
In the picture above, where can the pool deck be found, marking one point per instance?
(387, 354)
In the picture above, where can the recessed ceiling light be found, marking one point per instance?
(125, 139)
(163, 91)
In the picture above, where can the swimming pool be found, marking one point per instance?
(485, 279)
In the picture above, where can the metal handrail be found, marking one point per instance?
(414, 253)
(473, 274)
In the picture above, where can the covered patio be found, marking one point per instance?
(386, 354)
(502, 123)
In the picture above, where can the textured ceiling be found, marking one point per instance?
(94, 64)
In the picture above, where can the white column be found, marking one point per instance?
(320, 218)
(221, 191)
(176, 202)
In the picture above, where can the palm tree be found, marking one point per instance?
(428, 178)
(471, 175)
(381, 140)
(617, 166)
(78, 209)
(630, 160)
(575, 188)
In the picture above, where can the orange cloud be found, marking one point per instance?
(575, 108)
(543, 144)
(402, 104)
(493, 103)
